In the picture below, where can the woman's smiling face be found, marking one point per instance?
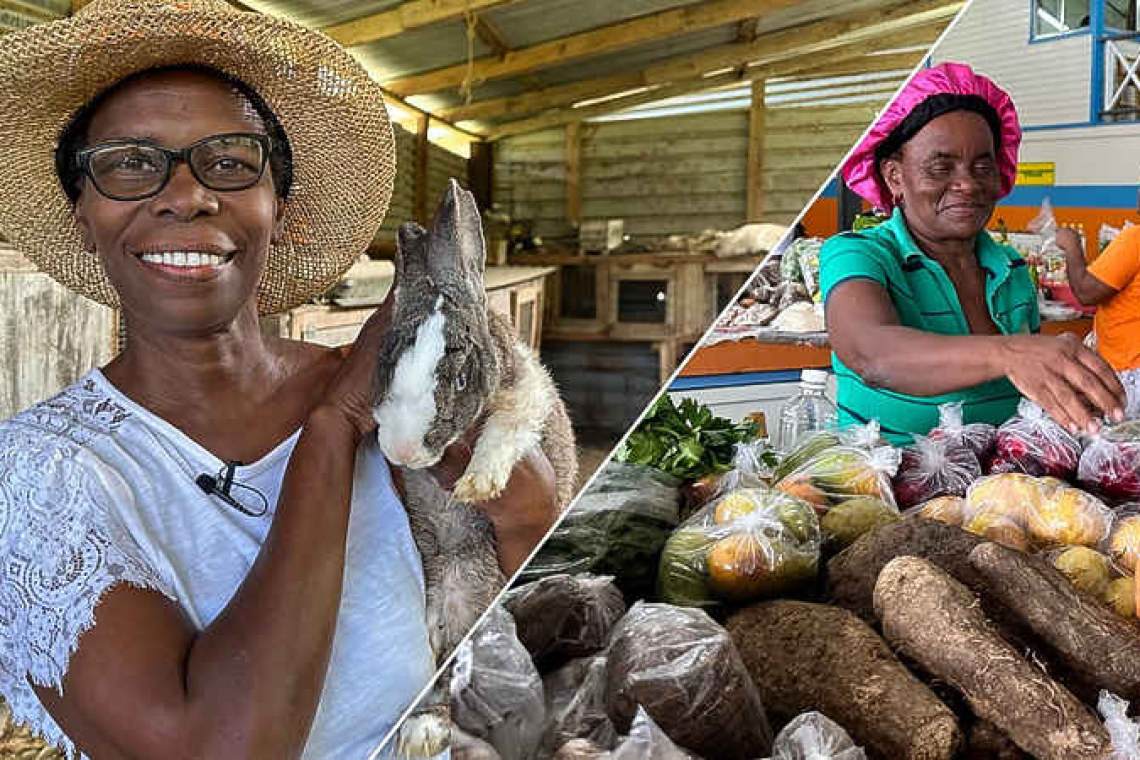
(947, 176)
(189, 259)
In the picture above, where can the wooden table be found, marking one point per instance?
(515, 292)
(750, 355)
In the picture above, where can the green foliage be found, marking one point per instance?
(687, 441)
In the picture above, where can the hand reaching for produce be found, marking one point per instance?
(1072, 383)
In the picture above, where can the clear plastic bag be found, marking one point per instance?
(1124, 541)
(464, 746)
(617, 528)
(1028, 513)
(1088, 569)
(576, 706)
(947, 509)
(839, 473)
(1033, 443)
(979, 437)
(812, 444)
(683, 668)
(751, 543)
(814, 736)
(646, 741)
(1122, 731)
(496, 692)
(560, 617)
(1110, 463)
(934, 467)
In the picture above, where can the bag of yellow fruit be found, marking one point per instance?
(1124, 540)
(1068, 516)
(997, 508)
(749, 544)
(840, 473)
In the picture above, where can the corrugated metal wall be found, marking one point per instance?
(402, 207)
(49, 336)
(1051, 80)
(802, 147)
(678, 174)
(442, 164)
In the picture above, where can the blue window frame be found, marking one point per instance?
(1052, 19)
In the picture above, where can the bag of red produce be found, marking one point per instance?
(1032, 442)
(979, 437)
(934, 467)
(1110, 463)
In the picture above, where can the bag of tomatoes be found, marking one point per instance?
(748, 544)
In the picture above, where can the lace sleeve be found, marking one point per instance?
(59, 553)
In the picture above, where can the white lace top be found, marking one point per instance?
(95, 491)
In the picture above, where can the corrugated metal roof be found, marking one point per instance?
(523, 24)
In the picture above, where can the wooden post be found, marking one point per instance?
(574, 174)
(481, 173)
(421, 184)
(756, 153)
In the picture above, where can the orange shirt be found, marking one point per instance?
(1117, 322)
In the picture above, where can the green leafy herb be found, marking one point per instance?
(687, 441)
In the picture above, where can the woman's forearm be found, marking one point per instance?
(256, 673)
(918, 363)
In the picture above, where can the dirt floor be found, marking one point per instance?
(593, 448)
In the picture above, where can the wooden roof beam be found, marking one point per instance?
(606, 39)
(788, 67)
(822, 35)
(867, 64)
(409, 15)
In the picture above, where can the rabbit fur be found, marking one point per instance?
(446, 362)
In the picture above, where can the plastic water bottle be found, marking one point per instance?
(808, 411)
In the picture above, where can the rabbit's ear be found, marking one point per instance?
(411, 250)
(457, 251)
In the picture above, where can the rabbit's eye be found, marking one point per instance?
(460, 382)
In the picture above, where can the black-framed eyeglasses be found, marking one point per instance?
(131, 170)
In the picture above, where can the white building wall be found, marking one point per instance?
(1050, 81)
(1108, 154)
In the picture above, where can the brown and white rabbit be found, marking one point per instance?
(446, 363)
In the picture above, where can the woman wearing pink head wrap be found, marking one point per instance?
(927, 308)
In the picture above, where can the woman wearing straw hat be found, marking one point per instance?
(927, 308)
(194, 166)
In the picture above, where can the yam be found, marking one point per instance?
(1096, 644)
(806, 657)
(935, 620)
(985, 741)
(683, 669)
(852, 573)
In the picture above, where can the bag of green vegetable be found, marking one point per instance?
(838, 473)
(751, 543)
(496, 693)
(616, 528)
(687, 441)
(682, 667)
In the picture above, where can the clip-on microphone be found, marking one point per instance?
(209, 485)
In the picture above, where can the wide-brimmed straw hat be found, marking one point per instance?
(343, 152)
(861, 169)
